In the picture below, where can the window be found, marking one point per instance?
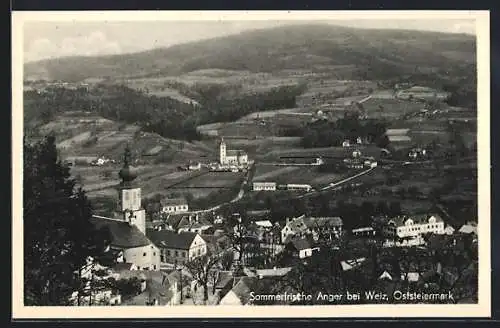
(154, 253)
(162, 258)
(176, 253)
(183, 254)
(168, 252)
(143, 254)
(154, 267)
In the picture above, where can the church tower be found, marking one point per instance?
(130, 195)
(222, 151)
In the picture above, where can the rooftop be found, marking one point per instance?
(157, 287)
(174, 201)
(170, 239)
(235, 152)
(301, 244)
(123, 235)
(276, 272)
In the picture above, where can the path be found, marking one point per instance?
(336, 184)
(238, 197)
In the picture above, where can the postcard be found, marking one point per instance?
(262, 164)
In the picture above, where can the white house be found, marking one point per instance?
(363, 232)
(294, 186)
(264, 186)
(406, 226)
(178, 247)
(174, 205)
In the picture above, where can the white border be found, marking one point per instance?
(482, 309)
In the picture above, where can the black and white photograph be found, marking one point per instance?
(179, 163)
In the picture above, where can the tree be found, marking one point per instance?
(58, 234)
(226, 260)
(201, 269)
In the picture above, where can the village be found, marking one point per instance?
(296, 165)
(216, 257)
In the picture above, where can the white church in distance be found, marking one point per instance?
(231, 157)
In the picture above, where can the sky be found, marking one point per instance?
(51, 39)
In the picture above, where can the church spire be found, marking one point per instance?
(127, 174)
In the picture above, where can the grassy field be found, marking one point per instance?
(81, 135)
(389, 108)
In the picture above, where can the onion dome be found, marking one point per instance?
(127, 173)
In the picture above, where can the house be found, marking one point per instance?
(449, 230)
(352, 264)
(241, 292)
(295, 186)
(294, 227)
(174, 205)
(194, 167)
(469, 228)
(274, 272)
(385, 276)
(300, 248)
(412, 276)
(231, 157)
(318, 227)
(133, 245)
(264, 224)
(178, 248)
(363, 232)
(416, 153)
(354, 163)
(194, 223)
(264, 186)
(159, 290)
(414, 226)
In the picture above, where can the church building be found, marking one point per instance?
(128, 227)
(231, 157)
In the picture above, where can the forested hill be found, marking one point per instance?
(373, 54)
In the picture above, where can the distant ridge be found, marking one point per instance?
(276, 49)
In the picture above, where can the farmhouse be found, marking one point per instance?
(415, 226)
(234, 157)
(174, 205)
(264, 186)
(178, 248)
